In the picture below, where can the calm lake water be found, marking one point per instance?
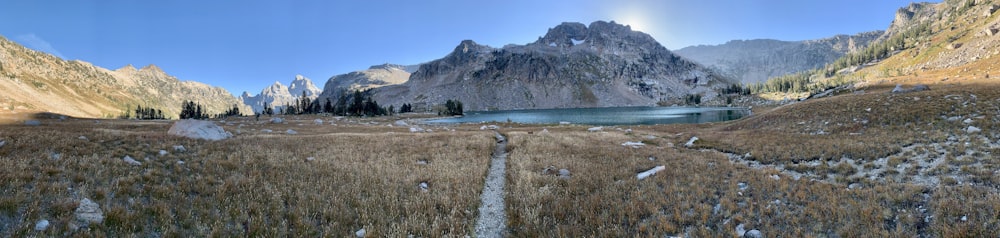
(605, 116)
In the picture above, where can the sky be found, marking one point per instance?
(248, 45)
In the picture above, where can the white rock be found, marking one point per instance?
(595, 129)
(753, 234)
(564, 173)
(277, 120)
(89, 212)
(310, 158)
(628, 130)
(650, 172)
(740, 231)
(163, 152)
(400, 123)
(493, 127)
(422, 162)
(180, 162)
(416, 129)
(32, 123)
(633, 144)
(179, 148)
(291, 132)
(2, 143)
(196, 129)
(973, 129)
(266, 130)
(360, 233)
(854, 186)
(775, 177)
(42, 225)
(423, 186)
(965, 218)
(545, 131)
(742, 186)
(691, 141)
(967, 121)
(318, 121)
(428, 130)
(564, 123)
(82, 137)
(482, 128)
(130, 160)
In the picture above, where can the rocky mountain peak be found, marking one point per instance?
(302, 84)
(152, 68)
(127, 68)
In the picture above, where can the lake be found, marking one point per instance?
(605, 116)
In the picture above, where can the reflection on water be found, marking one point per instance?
(605, 116)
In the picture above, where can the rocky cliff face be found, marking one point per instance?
(277, 95)
(33, 81)
(374, 77)
(752, 61)
(573, 65)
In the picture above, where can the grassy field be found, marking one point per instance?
(860, 163)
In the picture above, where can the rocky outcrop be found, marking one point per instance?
(374, 77)
(573, 65)
(752, 61)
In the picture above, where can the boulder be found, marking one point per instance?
(163, 152)
(650, 172)
(291, 132)
(564, 173)
(595, 129)
(400, 123)
(32, 123)
(196, 129)
(266, 130)
(753, 234)
(493, 127)
(360, 233)
(416, 129)
(972, 129)
(89, 212)
(920, 87)
(636, 144)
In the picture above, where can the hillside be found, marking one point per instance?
(33, 81)
(753, 61)
(374, 77)
(573, 65)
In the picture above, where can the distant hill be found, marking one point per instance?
(573, 65)
(752, 61)
(33, 81)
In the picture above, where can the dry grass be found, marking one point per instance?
(255, 184)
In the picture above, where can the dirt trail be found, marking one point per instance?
(492, 220)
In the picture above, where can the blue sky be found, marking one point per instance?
(247, 45)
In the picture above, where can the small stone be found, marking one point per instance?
(564, 173)
(2, 143)
(89, 212)
(493, 127)
(400, 123)
(163, 152)
(742, 186)
(753, 234)
(544, 131)
(277, 120)
(179, 148)
(310, 158)
(32, 123)
(82, 137)
(422, 162)
(972, 129)
(180, 162)
(775, 177)
(595, 129)
(967, 121)
(691, 141)
(564, 123)
(130, 160)
(42, 225)
(318, 121)
(854, 186)
(291, 132)
(423, 186)
(416, 129)
(360, 233)
(965, 218)
(266, 130)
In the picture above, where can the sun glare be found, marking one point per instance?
(634, 17)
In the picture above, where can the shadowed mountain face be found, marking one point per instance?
(573, 65)
(33, 81)
(752, 61)
(374, 77)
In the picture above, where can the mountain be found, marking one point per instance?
(574, 65)
(32, 81)
(277, 95)
(752, 61)
(374, 77)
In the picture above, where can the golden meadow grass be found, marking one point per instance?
(365, 175)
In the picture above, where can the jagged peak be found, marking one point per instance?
(127, 68)
(299, 77)
(388, 66)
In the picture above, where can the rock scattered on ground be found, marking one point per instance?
(636, 144)
(595, 129)
(310, 158)
(82, 137)
(973, 129)
(42, 225)
(318, 121)
(291, 132)
(266, 130)
(277, 120)
(916, 88)
(197, 129)
(360, 233)
(753, 234)
(400, 123)
(691, 141)
(423, 186)
(32, 123)
(422, 162)
(742, 186)
(650, 172)
(564, 173)
(2, 143)
(416, 129)
(545, 131)
(89, 212)
(163, 152)
(179, 148)
(130, 160)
